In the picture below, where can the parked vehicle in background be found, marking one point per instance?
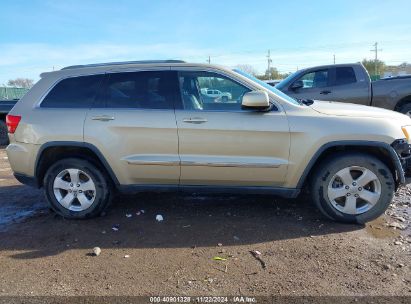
(216, 95)
(273, 82)
(8, 98)
(84, 131)
(5, 107)
(349, 83)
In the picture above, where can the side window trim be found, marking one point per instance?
(99, 99)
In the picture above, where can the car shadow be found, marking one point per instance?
(188, 221)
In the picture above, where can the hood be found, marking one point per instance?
(354, 110)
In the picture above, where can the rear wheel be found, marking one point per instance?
(4, 139)
(354, 188)
(406, 109)
(76, 188)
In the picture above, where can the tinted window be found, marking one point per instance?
(316, 79)
(75, 92)
(210, 91)
(344, 75)
(141, 90)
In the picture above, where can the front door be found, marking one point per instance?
(221, 144)
(134, 127)
(316, 86)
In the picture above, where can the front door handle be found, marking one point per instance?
(102, 117)
(325, 92)
(195, 120)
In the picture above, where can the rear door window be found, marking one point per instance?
(74, 92)
(141, 90)
(344, 75)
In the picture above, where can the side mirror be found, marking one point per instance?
(257, 100)
(297, 85)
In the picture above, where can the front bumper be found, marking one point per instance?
(403, 150)
(27, 180)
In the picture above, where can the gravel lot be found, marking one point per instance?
(301, 252)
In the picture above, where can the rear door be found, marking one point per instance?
(349, 86)
(133, 125)
(221, 144)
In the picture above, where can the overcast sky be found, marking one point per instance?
(37, 36)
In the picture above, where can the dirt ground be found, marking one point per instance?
(301, 252)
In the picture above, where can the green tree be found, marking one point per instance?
(247, 68)
(374, 68)
(20, 83)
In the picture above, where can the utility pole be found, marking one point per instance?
(209, 60)
(334, 58)
(269, 65)
(375, 50)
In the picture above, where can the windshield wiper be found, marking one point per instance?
(307, 102)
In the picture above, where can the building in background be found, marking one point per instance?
(7, 93)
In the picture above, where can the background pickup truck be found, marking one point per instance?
(8, 98)
(349, 83)
(5, 107)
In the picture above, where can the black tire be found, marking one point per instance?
(405, 109)
(224, 99)
(326, 172)
(102, 184)
(4, 138)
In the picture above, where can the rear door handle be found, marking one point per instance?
(102, 117)
(195, 120)
(325, 92)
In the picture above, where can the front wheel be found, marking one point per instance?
(76, 188)
(354, 188)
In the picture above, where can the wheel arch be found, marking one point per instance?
(403, 101)
(51, 152)
(381, 150)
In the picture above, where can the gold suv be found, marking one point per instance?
(85, 131)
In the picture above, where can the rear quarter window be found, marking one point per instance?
(345, 75)
(74, 92)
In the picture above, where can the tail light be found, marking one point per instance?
(12, 121)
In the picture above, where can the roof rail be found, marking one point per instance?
(120, 63)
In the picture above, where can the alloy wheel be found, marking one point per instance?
(354, 190)
(74, 189)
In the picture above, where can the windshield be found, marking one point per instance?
(267, 86)
(286, 81)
